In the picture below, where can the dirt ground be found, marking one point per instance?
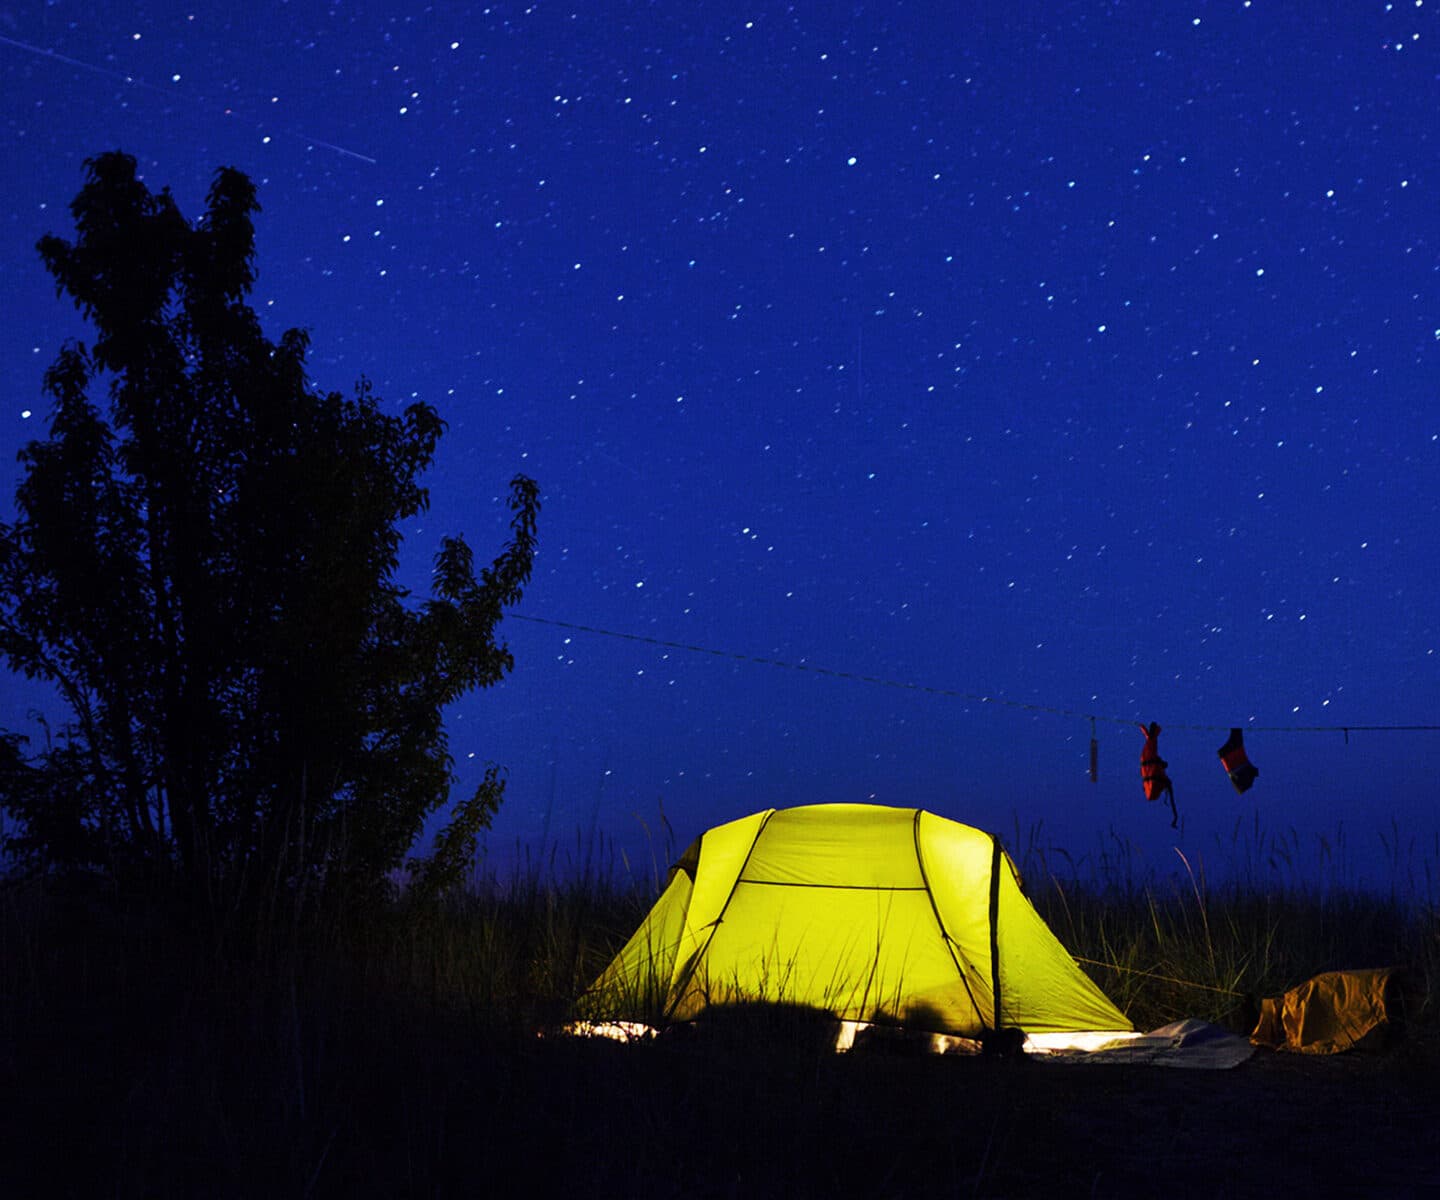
(711, 1118)
(1357, 1125)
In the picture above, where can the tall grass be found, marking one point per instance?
(398, 1054)
(513, 953)
(138, 1060)
(1178, 943)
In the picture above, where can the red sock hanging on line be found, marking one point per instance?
(1152, 771)
(1236, 763)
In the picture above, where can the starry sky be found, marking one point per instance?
(1073, 361)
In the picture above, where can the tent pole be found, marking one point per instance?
(995, 929)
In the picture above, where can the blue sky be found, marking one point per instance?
(1082, 361)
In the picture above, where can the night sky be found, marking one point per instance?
(1075, 363)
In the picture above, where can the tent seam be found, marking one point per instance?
(939, 920)
(682, 984)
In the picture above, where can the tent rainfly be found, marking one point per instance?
(870, 913)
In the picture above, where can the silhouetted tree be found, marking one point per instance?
(203, 564)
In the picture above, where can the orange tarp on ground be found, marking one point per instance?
(1339, 1010)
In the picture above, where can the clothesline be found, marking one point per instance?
(953, 693)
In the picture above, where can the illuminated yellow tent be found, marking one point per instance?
(889, 915)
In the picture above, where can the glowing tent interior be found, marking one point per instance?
(870, 913)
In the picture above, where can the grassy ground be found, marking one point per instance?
(401, 1058)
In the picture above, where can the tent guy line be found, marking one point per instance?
(952, 693)
(1114, 966)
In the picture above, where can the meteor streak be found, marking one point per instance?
(132, 81)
